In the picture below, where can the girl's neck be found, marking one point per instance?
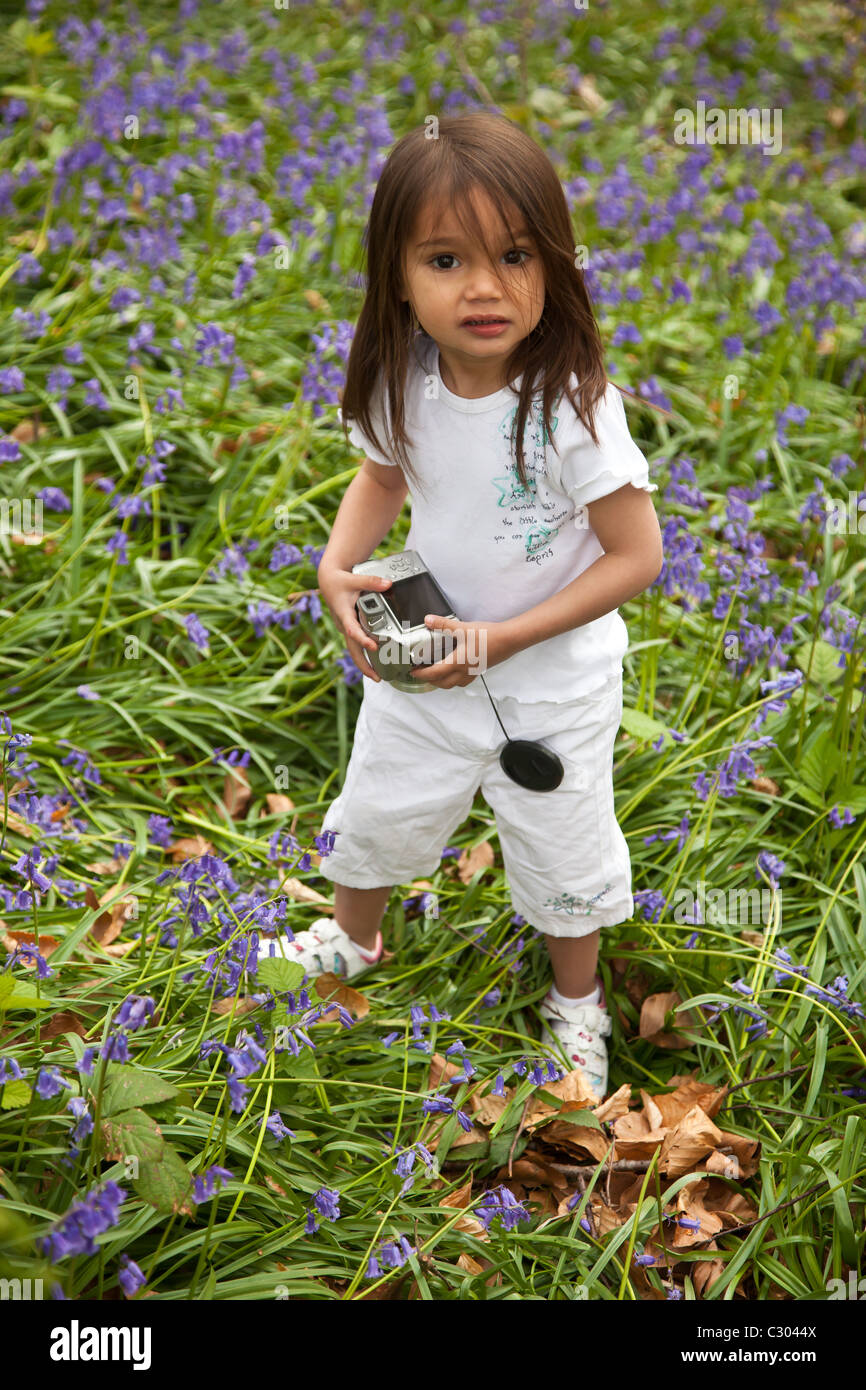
(469, 384)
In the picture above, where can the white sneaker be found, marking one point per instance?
(579, 1035)
(324, 949)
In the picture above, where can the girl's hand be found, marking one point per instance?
(477, 646)
(340, 588)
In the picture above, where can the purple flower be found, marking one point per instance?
(50, 1082)
(196, 633)
(10, 1070)
(134, 1012)
(115, 1048)
(327, 1203)
(438, 1105)
(837, 994)
(203, 1187)
(130, 1277)
(501, 1202)
(275, 1124)
(75, 1233)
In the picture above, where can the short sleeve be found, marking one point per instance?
(589, 471)
(360, 440)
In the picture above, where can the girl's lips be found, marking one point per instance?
(487, 330)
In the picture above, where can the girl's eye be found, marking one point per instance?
(449, 256)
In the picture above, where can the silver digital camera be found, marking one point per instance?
(395, 618)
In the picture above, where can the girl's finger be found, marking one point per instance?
(363, 638)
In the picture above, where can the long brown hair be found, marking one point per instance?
(487, 151)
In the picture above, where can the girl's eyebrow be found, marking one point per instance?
(457, 240)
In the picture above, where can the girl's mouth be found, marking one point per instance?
(486, 327)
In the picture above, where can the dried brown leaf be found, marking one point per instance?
(688, 1142)
(13, 939)
(480, 857)
(189, 847)
(240, 1006)
(62, 1022)
(652, 1017)
(236, 792)
(689, 1093)
(332, 987)
(303, 893)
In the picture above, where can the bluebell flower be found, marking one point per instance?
(203, 1187)
(276, 1126)
(115, 1048)
(134, 1012)
(837, 994)
(130, 1277)
(501, 1202)
(405, 1163)
(438, 1105)
(75, 1232)
(327, 1203)
(84, 1065)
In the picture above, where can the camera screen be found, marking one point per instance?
(411, 599)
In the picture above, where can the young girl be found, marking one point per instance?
(535, 553)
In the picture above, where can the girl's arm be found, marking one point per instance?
(370, 506)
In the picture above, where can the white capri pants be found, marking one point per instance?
(417, 762)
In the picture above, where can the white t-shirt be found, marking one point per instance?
(496, 551)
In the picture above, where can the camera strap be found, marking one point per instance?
(526, 762)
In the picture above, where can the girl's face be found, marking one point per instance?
(449, 280)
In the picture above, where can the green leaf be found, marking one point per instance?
(130, 1086)
(26, 1001)
(581, 1117)
(825, 662)
(500, 1147)
(133, 1134)
(449, 1129)
(15, 1094)
(642, 727)
(166, 1185)
(470, 1151)
(573, 1117)
(279, 975)
(811, 798)
(820, 761)
(7, 984)
(40, 94)
(855, 797)
(548, 102)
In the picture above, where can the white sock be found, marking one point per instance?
(364, 951)
(593, 998)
